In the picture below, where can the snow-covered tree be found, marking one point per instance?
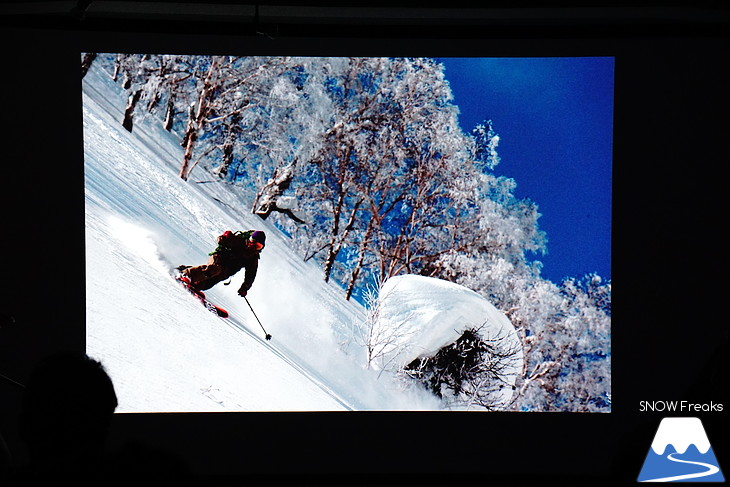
(566, 338)
(380, 342)
(226, 115)
(381, 188)
(271, 198)
(150, 80)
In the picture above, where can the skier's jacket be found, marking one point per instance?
(233, 253)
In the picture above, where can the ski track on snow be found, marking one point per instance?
(286, 355)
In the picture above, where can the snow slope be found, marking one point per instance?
(163, 350)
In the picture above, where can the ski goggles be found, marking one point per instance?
(256, 245)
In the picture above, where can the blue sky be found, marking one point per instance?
(554, 117)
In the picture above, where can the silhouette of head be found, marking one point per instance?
(67, 410)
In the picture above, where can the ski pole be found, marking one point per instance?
(268, 337)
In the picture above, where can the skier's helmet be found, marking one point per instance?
(258, 238)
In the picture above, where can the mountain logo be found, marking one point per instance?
(681, 452)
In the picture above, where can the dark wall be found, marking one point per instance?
(669, 261)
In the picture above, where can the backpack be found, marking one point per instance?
(231, 241)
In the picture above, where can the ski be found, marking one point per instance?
(201, 296)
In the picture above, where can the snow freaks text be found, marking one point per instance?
(679, 406)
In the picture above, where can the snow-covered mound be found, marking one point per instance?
(418, 315)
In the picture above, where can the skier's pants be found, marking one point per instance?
(207, 275)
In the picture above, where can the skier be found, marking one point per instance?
(235, 251)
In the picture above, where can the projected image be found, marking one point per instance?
(349, 234)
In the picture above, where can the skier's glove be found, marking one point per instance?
(242, 293)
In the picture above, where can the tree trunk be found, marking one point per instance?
(264, 213)
(197, 119)
(169, 114)
(127, 123)
(188, 155)
(86, 63)
(333, 249)
(360, 260)
(117, 67)
(231, 139)
(338, 240)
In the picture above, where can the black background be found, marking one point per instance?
(669, 325)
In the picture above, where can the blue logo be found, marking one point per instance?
(681, 452)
